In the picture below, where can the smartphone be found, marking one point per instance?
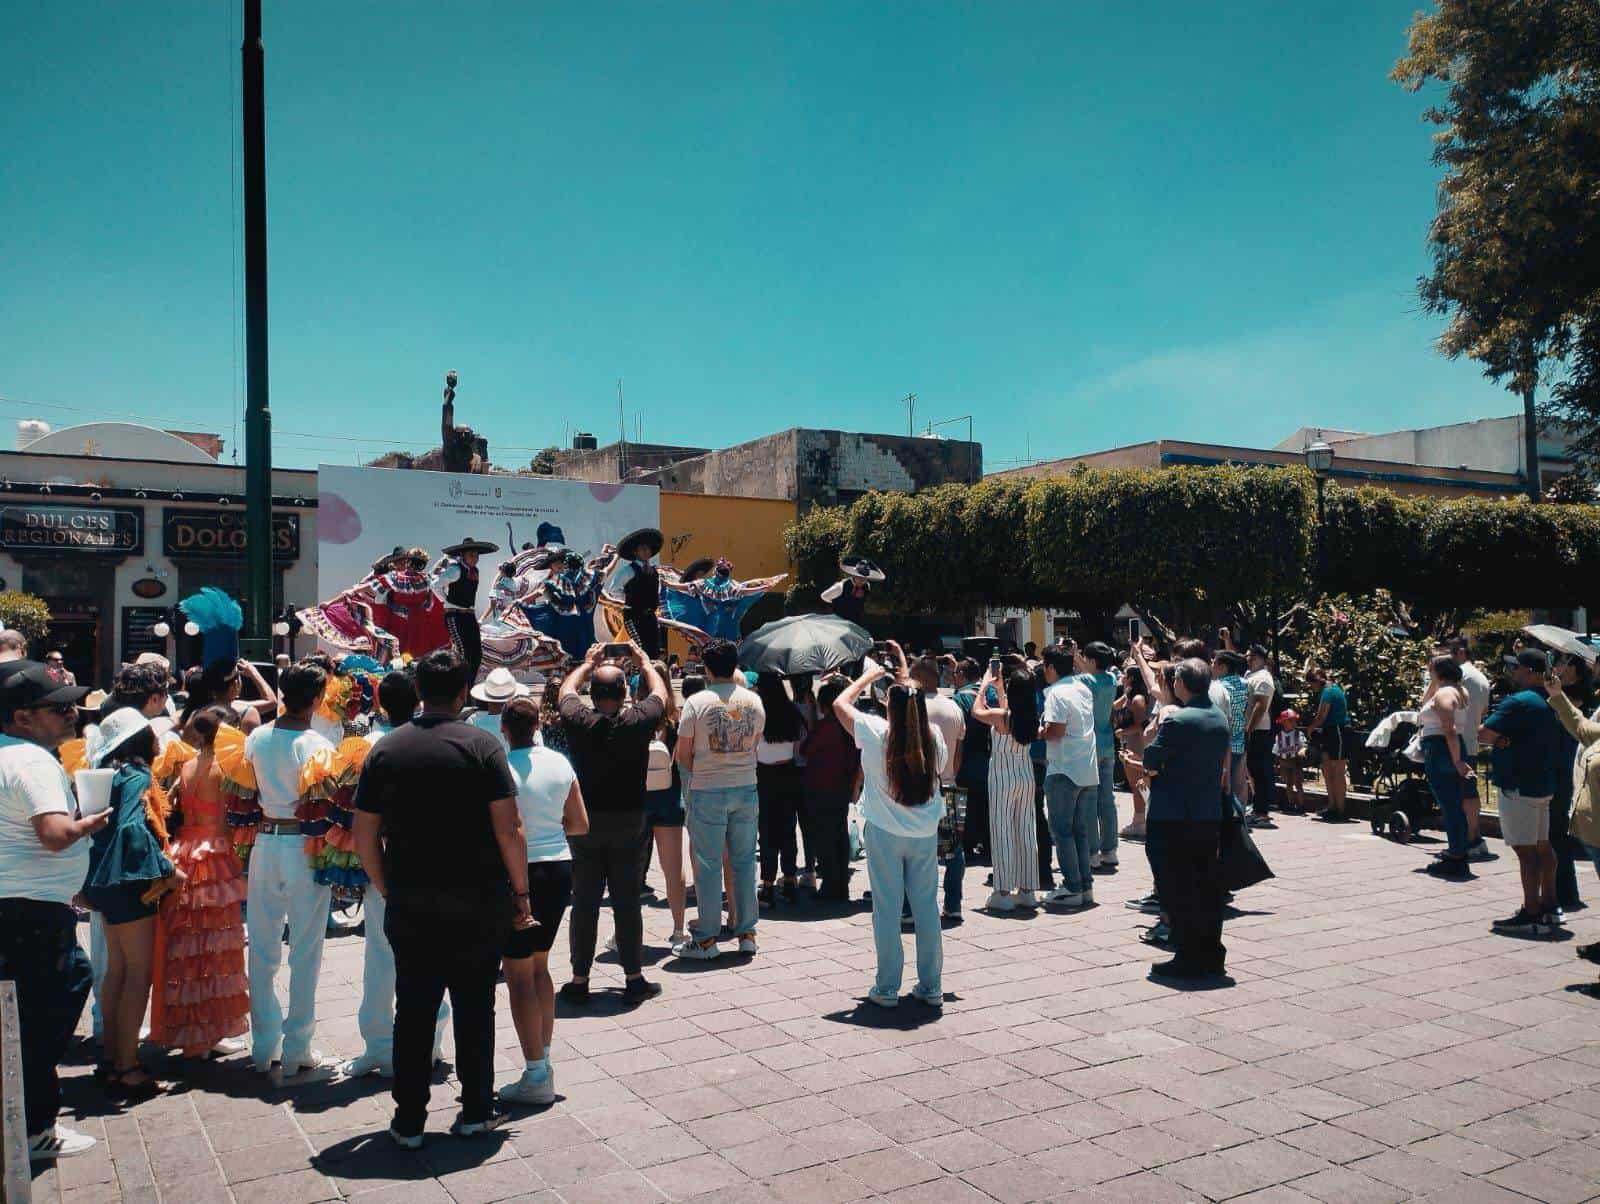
(995, 665)
(1135, 630)
(616, 652)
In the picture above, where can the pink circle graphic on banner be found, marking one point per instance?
(337, 520)
(603, 491)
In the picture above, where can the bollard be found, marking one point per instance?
(14, 1165)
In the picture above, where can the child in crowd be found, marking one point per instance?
(1289, 747)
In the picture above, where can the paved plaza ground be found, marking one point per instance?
(1379, 1045)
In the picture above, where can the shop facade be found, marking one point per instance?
(111, 545)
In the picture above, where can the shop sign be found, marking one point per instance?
(149, 587)
(99, 529)
(222, 533)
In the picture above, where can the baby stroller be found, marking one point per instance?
(1402, 800)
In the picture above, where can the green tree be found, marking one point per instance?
(1516, 241)
(544, 461)
(27, 614)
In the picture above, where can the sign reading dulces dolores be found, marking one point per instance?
(221, 533)
(101, 529)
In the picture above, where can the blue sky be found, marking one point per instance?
(1085, 223)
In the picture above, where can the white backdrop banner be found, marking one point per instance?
(363, 513)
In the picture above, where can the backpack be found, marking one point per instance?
(658, 774)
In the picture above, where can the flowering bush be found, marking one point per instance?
(1364, 647)
(27, 614)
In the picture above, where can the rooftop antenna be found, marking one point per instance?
(622, 436)
(911, 413)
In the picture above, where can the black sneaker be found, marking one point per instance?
(574, 993)
(1554, 921)
(639, 989)
(1160, 936)
(1520, 922)
(1447, 867)
(764, 896)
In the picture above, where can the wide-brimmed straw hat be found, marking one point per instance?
(499, 686)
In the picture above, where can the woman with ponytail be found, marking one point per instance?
(901, 806)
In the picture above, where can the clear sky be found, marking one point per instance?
(1085, 223)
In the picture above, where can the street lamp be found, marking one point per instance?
(1319, 459)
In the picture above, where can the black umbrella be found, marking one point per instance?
(803, 644)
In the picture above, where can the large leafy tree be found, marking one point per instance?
(1516, 243)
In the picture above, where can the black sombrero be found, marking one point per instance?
(471, 545)
(860, 568)
(650, 537)
(698, 569)
(384, 563)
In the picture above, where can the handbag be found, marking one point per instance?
(1242, 863)
(953, 823)
(856, 844)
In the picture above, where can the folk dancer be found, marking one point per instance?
(638, 582)
(848, 595)
(454, 581)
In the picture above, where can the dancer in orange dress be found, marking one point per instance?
(202, 995)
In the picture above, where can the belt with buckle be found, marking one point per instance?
(279, 827)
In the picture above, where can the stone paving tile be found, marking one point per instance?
(1379, 1044)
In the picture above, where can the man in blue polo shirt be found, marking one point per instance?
(1525, 736)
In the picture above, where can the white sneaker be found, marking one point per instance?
(747, 943)
(359, 1068)
(464, 1128)
(1132, 832)
(1062, 897)
(1108, 858)
(1094, 861)
(1001, 902)
(677, 938)
(58, 1142)
(532, 1089)
(1025, 898)
(697, 951)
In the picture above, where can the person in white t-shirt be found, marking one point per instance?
(281, 886)
(718, 734)
(44, 859)
(551, 803)
(1259, 687)
(901, 807)
(1072, 777)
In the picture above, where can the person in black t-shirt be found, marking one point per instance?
(610, 749)
(440, 836)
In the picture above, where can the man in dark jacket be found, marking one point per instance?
(1186, 761)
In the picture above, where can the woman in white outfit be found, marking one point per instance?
(1013, 833)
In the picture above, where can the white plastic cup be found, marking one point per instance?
(94, 790)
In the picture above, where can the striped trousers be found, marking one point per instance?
(1013, 834)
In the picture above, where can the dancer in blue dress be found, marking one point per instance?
(715, 604)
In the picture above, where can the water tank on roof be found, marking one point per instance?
(584, 441)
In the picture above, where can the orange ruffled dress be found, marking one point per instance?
(202, 993)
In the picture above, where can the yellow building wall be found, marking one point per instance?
(747, 530)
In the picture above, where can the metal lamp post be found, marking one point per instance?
(1319, 459)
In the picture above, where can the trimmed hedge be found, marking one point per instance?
(1182, 539)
